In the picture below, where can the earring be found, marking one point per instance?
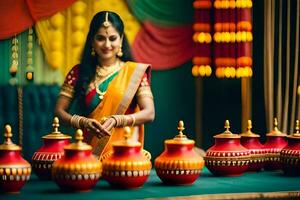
(120, 53)
(93, 53)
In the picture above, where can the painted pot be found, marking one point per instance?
(14, 170)
(52, 150)
(179, 164)
(290, 154)
(251, 142)
(78, 169)
(127, 165)
(276, 141)
(227, 157)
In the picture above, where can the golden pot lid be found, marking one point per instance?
(295, 135)
(8, 144)
(249, 133)
(180, 138)
(79, 144)
(127, 141)
(56, 134)
(227, 133)
(276, 132)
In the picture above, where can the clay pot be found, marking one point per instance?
(227, 157)
(179, 164)
(127, 165)
(52, 150)
(14, 170)
(78, 169)
(290, 154)
(251, 142)
(276, 141)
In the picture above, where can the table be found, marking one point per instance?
(258, 184)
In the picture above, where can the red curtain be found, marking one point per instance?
(19, 15)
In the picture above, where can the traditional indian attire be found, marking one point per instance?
(122, 89)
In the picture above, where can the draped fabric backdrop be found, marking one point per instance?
(281, 63)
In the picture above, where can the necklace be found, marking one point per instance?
(103, 71)
(102, 74)
(99, 92)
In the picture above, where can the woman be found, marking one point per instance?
(112, 91)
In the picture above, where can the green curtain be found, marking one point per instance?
(163, 12)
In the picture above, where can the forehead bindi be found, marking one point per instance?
(107, 32)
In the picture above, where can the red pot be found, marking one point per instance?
(251, 142)
(14, 170)
(227, 157)
(276, 141)
(290, 154)
(78, 169)
(127, 165)
(52, 150)
(179, 164)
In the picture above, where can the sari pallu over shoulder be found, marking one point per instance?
(116, 101)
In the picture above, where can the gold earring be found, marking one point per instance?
(120, 53)
(93, 53)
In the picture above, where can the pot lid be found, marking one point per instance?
(276, 132)
(8, 144)
(78, 144)
(56, 134)
(180, 138)
(227, 133)
(295, 135)
(249, 133)
(127, 141)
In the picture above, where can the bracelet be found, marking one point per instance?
(78, 121)
(132, 119)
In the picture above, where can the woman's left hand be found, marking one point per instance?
(109, 124)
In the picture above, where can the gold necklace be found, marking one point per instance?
(103, 71)
(98, 91)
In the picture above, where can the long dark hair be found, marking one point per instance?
(87, 66)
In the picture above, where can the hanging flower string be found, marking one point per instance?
(14, 65)
(29, 68)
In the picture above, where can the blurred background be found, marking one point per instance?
(211, 60)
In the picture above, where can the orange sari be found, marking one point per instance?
(116, 101)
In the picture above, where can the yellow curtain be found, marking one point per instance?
(62, 36)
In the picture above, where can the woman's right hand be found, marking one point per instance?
(93, 126)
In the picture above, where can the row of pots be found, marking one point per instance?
(73, 167)
(234, 154)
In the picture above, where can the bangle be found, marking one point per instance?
(132, 119)
(78, 121)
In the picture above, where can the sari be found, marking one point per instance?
(118, 100)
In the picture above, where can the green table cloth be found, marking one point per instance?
(258, 183)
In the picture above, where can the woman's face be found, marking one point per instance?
(107, 42)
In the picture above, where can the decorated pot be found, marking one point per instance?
(227, 157)
(78, 169)
(251, 141)
(14, 170)
(127, 165)
(276, 141)
(290, 154)
(52, 150)
(179, 164)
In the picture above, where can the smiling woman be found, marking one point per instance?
(112, 91)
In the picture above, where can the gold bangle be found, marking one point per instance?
(132, 119)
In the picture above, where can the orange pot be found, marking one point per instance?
(78, 169)
(14, 170)
(127, 165)
(179, 164)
